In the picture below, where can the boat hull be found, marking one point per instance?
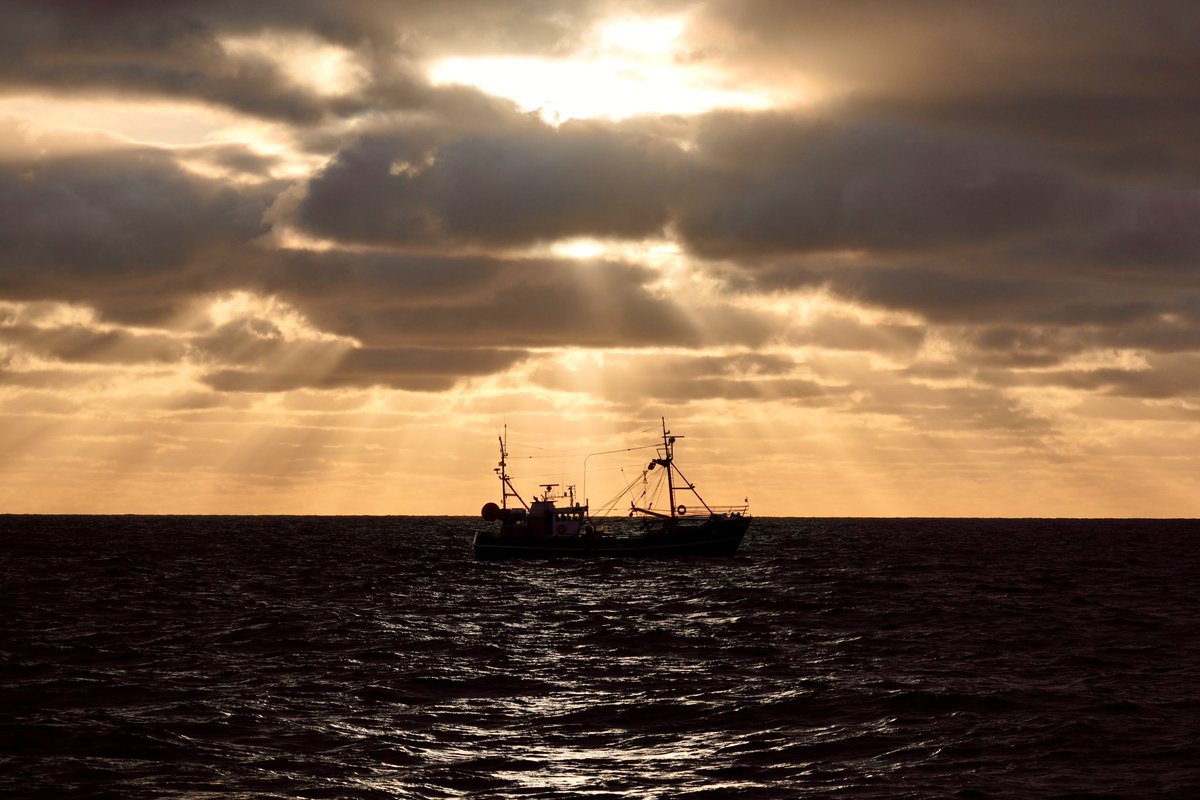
(712, 538)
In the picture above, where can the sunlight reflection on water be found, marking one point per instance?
(372, 658)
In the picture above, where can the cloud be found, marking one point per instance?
(136, 236)
(79, 344)
(410, 369)
(1116, 81)
(527, 184)
(638, 381)
(787, 184)
(940, 410)
(166, 49)
(255, 355)
(842, 333)
(242, 355)
(944, 179)
(96, 227)
(1159, 376)
(385, 299)
(237, 160)
(530, 307)
(194, 50)
(755, 187)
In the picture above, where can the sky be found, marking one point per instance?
(870, 258)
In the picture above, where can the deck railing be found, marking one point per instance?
(701, 511)
(690, 512)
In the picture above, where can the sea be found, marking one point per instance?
(372, 657)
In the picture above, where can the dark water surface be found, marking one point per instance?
(260, 657)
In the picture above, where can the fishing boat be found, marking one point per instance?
(542, 528)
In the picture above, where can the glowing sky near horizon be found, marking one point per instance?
(872, 259)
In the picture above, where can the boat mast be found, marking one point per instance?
(506, 487)
(667, 461)
(668, 441)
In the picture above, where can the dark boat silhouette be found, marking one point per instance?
(542, 529)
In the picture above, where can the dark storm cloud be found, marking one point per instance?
(1130, 136)
(781, 183)
(527, 184)
(77, 227)
(1113, 79)
(773, 184)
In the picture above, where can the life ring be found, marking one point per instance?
(561, 529)
(681, 510)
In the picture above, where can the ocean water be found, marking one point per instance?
(292, 657)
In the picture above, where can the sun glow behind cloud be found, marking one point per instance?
(325, 69)
(632, 66)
